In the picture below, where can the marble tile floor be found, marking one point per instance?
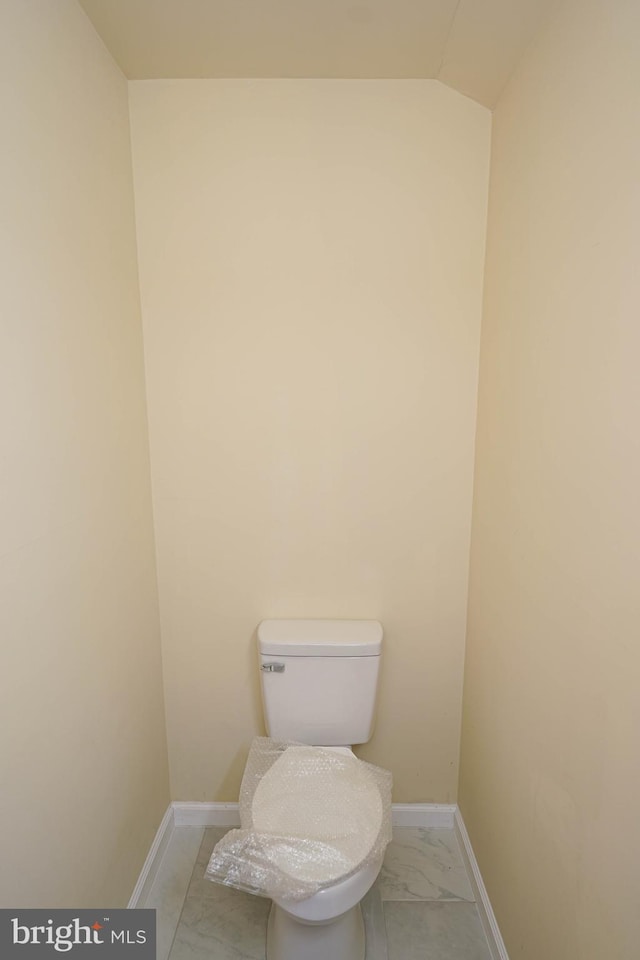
(420, 908)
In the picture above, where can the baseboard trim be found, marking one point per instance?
(487, 916)
(192, 814)
(434, 815)
(154, 859)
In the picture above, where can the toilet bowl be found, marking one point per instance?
(346, 813)
(327, 925)
(319, 681)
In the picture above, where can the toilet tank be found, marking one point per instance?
(319, 679)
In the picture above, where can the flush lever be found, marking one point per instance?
(273, 667)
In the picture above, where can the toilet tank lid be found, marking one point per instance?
(320, 638)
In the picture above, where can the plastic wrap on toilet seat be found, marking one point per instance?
(310, 817)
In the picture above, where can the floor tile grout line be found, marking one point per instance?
(159, 870)
(427, 900)
(186, 894)
(386, 932)
(462, 860)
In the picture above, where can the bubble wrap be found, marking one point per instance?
(310, 817)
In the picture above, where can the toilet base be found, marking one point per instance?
(291, 939)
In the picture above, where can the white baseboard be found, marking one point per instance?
(487, 916)
(227, 814)
(154, 859)
(193, 814)
(434, 815)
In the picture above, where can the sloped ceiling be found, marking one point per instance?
(471, 45)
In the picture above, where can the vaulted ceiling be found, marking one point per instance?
(471, 45)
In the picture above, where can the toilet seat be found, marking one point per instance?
(322, 798)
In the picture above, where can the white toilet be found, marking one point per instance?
(319, 684)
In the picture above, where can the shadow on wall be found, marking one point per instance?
(235, 770)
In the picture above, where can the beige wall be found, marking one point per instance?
(311, 258)
(82, 741)
(550, 783)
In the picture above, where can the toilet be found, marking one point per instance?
(319, 683)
